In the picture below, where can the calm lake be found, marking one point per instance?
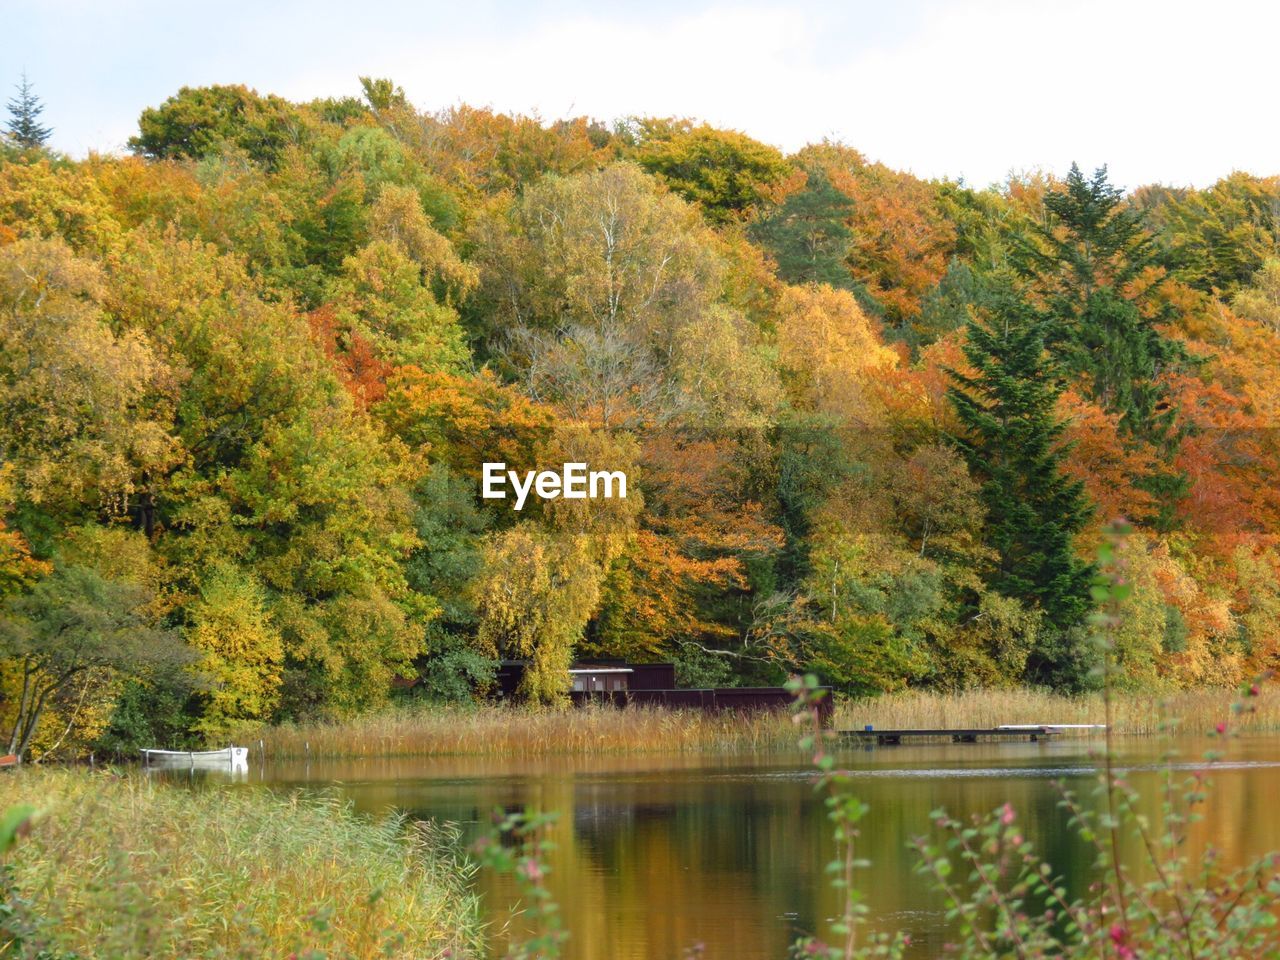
(658, 854)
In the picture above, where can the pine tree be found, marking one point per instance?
(1012, 441)
(24, 112)
(1091, 246)
(808, 234)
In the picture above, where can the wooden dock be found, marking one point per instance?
(1030, 732)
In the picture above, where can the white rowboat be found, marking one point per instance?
(228, 758)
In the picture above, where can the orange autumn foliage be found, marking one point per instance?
(901, 241)
(358, 366)
(464, 420)
(1107, 461)
(17, 567)
(1206, 619)
(1228, 456)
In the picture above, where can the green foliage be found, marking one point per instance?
(1216, 238)
(725, 172)
(382, 94)
(379, 159)
(24, 125)
(455, 671)
(1095, 266)
(1012, 441)
(72, 622)
(518, 846)
(155, 713)
(811, 463)
(698, 668)
(947, 307)
(241, 652)
(199, 121)
(808, 235)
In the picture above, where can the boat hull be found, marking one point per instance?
(229, 758)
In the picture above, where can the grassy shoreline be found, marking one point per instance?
(125, 867)
(513, 731)
(517, 731)
(1190, 712)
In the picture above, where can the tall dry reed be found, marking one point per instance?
(125, 868)
(1192, 712)
(525, 731)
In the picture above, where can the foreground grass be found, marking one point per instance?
(513, 731)
(123, 867)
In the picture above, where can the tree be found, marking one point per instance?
(829, 351)
(1260, 301)
(901, 242)
(72, 622)
(78, 420)
(18, 569)
(1218, 237)
(603, 295)
(44, 200)
(386, 294)
(281, 475)
(382, 95)
(197, 122)
(241, 652)
(446, 566)
(24, 118)
(723, 171)
(808, 234)
(535, 598)
(1098, 272)
(1011, 438)
(946, 307)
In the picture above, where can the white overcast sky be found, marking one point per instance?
(1170, 92)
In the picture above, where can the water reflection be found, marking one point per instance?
(658, 853)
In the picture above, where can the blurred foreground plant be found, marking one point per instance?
(518, 846)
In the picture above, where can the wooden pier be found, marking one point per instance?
(1030, 732)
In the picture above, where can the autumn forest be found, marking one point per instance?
(874, 425)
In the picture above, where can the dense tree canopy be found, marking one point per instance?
(249, 375)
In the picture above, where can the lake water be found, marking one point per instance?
(657, 854)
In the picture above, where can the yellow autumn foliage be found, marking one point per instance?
(241, 652)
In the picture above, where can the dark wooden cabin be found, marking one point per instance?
(623, 684)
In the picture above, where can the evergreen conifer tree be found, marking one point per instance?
(808, 235)
(1012, 441)
(24, 113)
(1091, 246)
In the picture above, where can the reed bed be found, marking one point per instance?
(1191, 712)
(122, 867)
(600, 729)
(516, 731)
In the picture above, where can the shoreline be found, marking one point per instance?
(433, 730)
